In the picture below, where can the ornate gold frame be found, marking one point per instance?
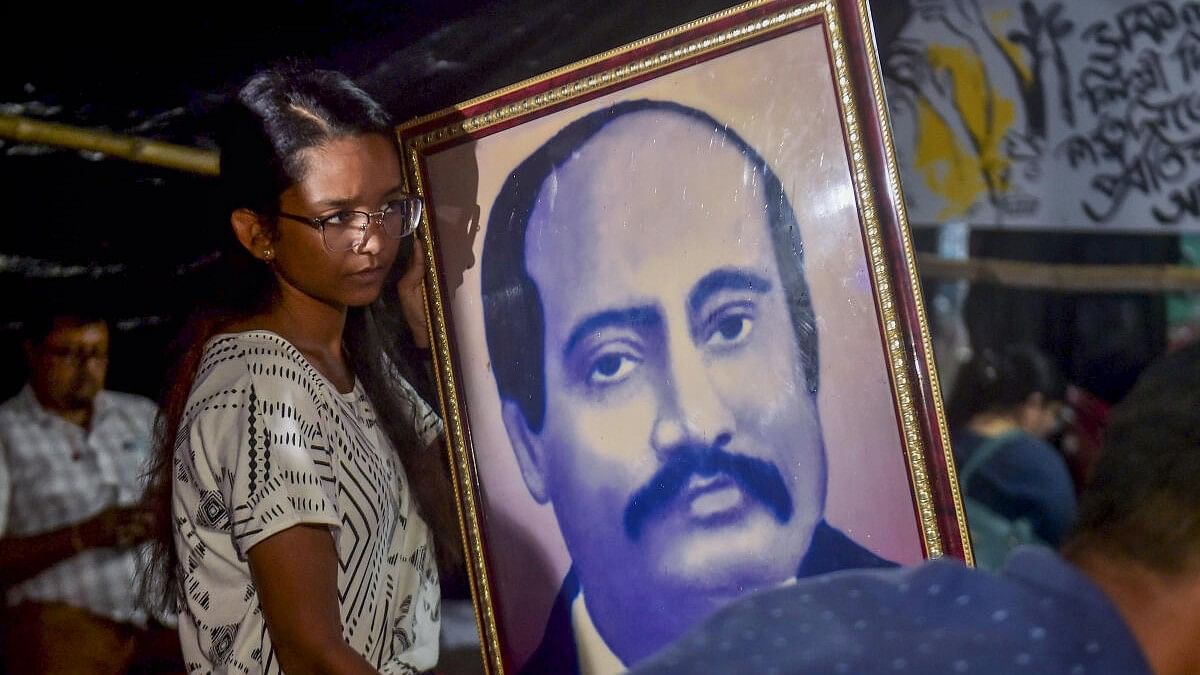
(885, 229)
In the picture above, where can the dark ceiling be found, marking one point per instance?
(125, 237)
(124, 231)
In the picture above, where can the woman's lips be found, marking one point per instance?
(368, 274)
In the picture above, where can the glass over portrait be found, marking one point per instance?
(664, 340)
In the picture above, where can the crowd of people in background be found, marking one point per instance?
(1119, 596)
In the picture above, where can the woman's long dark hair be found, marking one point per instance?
(994, 382)
(277, 115)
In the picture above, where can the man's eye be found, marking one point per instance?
(730, 330)
(611, 368)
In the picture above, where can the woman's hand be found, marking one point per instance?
(411, 290)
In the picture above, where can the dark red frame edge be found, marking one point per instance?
(593, 68)
(925, 399)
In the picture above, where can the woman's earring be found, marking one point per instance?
(268, 254)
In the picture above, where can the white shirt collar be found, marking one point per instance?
(595, 656)
(28, 398)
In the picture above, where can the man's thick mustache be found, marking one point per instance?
(758, 478)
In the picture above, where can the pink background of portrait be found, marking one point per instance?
(779, 96)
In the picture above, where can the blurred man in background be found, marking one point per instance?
(72, 456)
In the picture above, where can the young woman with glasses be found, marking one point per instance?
(299, 480)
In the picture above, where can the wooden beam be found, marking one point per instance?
(131, 148)
(1063, 278)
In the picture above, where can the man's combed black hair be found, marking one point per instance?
(512, 308)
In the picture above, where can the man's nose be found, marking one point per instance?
(691, 410)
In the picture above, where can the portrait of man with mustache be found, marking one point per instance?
(655, 351)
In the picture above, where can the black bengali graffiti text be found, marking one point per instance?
(1153, 20)
(1139, 83)
(1187, 54)
(1184, 203)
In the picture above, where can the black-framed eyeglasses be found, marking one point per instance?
(346, 230)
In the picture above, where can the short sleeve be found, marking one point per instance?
(270, 465)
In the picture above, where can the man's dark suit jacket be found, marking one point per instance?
(830, 551)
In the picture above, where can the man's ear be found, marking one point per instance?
(528, 448)
(252, 233)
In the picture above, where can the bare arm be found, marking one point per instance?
(295, 572)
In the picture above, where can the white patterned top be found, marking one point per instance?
(54, 473)
(267, 443)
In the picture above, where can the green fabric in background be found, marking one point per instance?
(1183, 309)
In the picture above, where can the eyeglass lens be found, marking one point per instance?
(398, 219)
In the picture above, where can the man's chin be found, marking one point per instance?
(83, 401)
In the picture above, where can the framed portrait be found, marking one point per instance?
(679, 338)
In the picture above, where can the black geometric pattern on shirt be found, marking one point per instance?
(200, 550)
(226, 477)
(213, 357)
(182, 524)
(266, 661)
(420, 561)
(363, 474)
(187, 584)
(281, 423)
(252, 439)
(221, 641)
(366, 475)
(427, 419)
(389, 585)
(203, 629)
(279, 486)
(290, 366)
(196, 592)
(182, 474)
(211, 512)
(398, 630)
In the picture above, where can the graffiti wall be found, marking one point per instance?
(1063, 114)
